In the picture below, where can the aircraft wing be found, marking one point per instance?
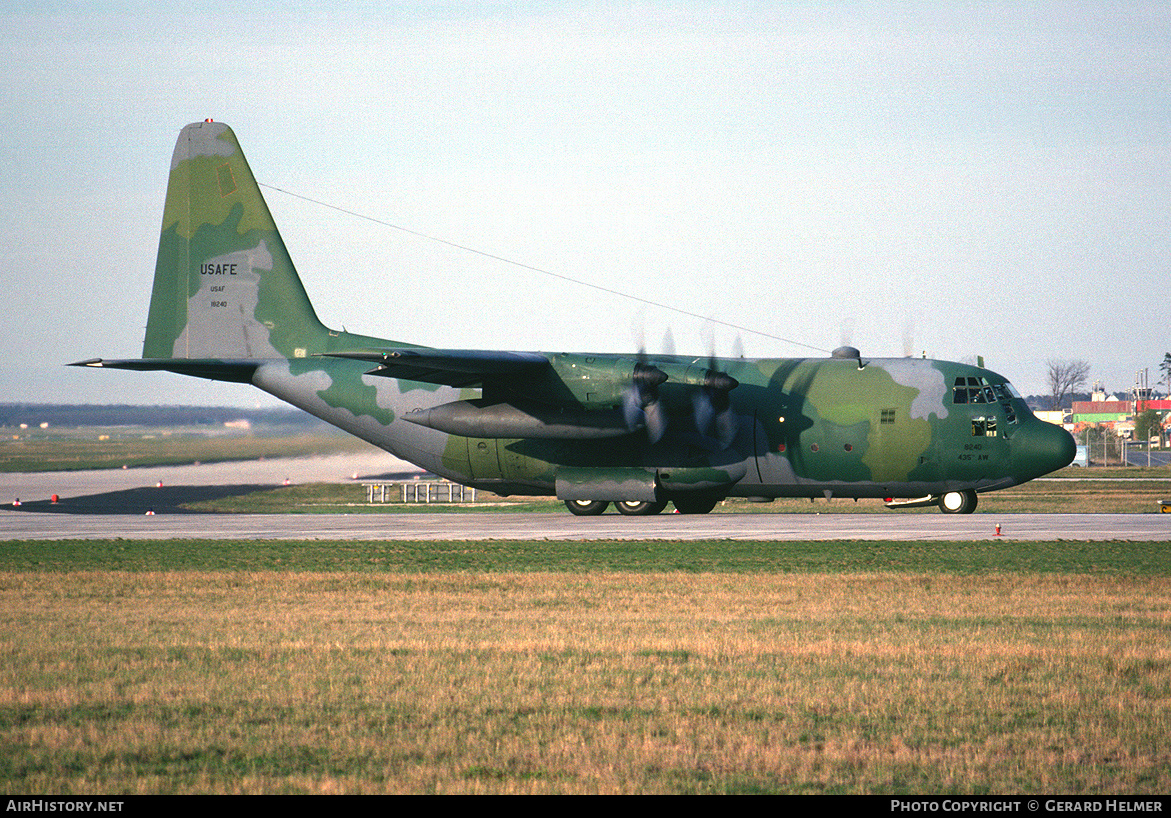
(450, 367)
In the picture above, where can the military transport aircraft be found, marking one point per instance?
(636, 430)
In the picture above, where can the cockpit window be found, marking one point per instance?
(971, 389)
(983, 427)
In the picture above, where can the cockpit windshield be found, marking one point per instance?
(972, 389)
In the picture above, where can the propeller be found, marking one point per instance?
(847, 335)
(714, 418)
(668, 342)
(712, 413)
(640, 402)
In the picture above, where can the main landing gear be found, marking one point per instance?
(636, 508)
(586, 508)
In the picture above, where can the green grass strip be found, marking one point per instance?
(725, 556)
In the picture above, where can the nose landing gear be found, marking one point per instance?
(958, 502)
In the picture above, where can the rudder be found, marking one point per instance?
(224, 285)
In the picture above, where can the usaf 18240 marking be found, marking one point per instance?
(637, 430)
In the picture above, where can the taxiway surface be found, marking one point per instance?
(141, 486)
(515, 526)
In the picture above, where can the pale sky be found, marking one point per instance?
(959, 179)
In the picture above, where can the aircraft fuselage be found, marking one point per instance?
(888, 428)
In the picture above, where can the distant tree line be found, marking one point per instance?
(1045, 402)
(57, 415)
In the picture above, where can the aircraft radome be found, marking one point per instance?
(635, 430)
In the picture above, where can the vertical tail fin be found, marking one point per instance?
(224, 284)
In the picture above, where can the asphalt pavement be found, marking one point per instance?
(519, 526)
(163, 490)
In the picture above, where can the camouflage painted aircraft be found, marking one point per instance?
(635, 430)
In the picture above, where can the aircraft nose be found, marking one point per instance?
(1039, 448)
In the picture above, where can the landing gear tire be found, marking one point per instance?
(695, 505)
(958, 502)
(586, 508)
(635, 508)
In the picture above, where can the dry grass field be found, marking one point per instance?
(288, 681)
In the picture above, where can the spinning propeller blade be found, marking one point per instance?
(714, 417)
(640, 403)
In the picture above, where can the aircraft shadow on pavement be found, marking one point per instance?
(160, 500)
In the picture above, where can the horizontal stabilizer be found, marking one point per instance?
(450, 367)
(213, 369)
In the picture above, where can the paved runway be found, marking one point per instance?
(506, 526)
(136, 489)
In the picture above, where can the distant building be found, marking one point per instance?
(1102, 411)
(1057, 417)
(1118, 415)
